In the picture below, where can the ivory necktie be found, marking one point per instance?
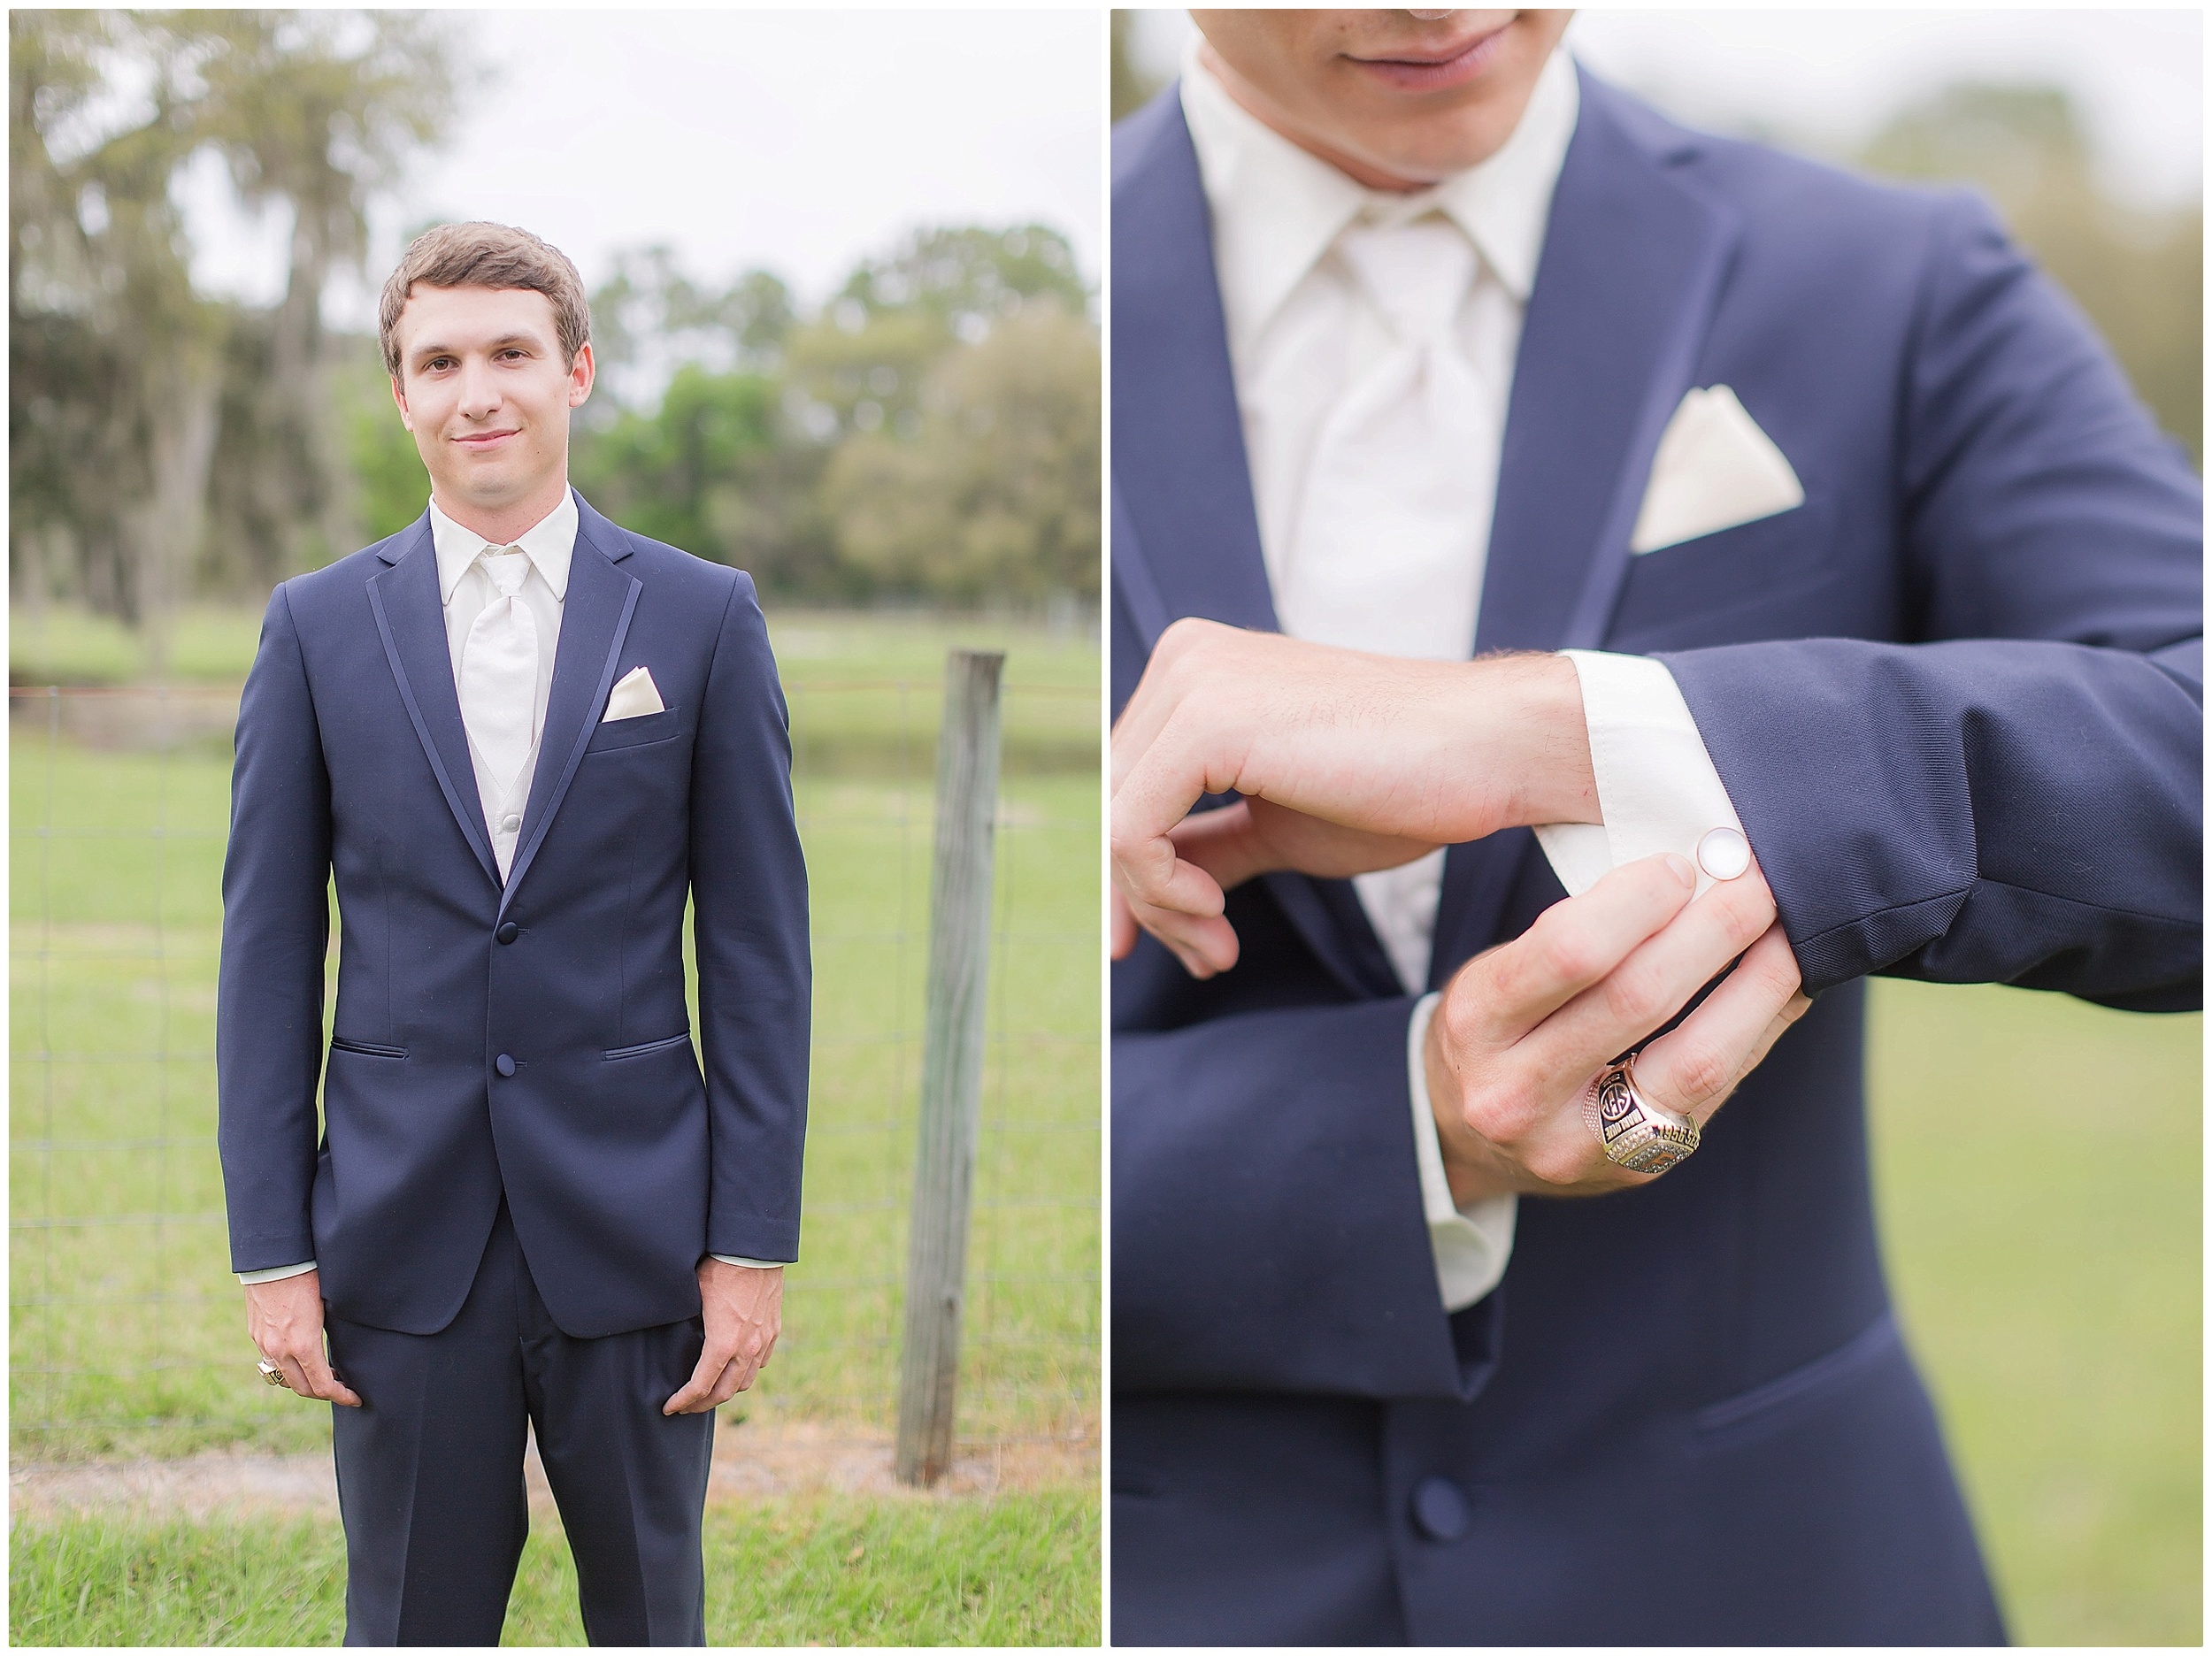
(499, 672)
(1394, 524)
(1387, 554)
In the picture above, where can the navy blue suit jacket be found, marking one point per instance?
(621, 1163)
(1955, 697)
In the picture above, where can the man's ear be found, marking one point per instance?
(400, 397)
(580, 375)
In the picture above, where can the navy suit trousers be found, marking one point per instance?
(430, 1479)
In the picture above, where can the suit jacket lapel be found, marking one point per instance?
(594, 620)
(1186, 539)
(1634, 261)
(1179, 440)
(410, 619)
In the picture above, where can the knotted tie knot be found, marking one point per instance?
(1416, 275)
(508, 566)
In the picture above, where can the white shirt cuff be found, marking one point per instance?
(276, 1273)
(754, 1264)
(1471, 1244)
(1658, 790)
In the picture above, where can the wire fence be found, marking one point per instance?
(128, 1333)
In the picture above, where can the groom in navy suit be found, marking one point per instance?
(521, 740)
(1492, 455)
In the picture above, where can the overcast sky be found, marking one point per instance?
(799, 141)
(1833, 77)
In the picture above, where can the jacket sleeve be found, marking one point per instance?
(2015, 796)
(276, 922)
(749, 935)
(1268, 1231)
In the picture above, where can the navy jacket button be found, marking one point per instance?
(508, 932)
(503, 1064)
(1440, 1509)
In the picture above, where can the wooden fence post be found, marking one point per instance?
(952, 1062)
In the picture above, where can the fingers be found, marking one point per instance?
(1122, 923)
(1573, 945)
(309, 1375)
(1204, 944)
(1694, 1068)
(722, 1372)
(1658, 978)
(1157, 796)
(705, 1375)
(324, 1383)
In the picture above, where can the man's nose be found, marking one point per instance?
(480, 390)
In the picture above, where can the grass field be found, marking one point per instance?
(127, 1334)
(2039, 1165)
(1018, 1571)
(2038, 1170)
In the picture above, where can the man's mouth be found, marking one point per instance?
(485, 439)
(1418, 68)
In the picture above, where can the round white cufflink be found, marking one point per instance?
(1724, 854)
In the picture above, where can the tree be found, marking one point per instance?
(2139, 275)
(148, 424)
(996, 494)
(712, 469)
(962, 279)
(315, 112)
(649, 319)
(113, 378)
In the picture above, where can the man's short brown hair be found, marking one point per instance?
(478, 255)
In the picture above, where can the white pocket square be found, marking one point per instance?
(1715, 469)
(634, 697)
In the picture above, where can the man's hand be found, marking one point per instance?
(1231, 845)
(1523, 1029)
(284, 1319)
(1383, 758)
(743, 1308)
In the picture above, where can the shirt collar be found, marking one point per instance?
(1277, 207)
(550, 543)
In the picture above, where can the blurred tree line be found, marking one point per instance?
(931, 433)
(2139, 275)
(158, 439)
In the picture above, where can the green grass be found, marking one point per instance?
(66, 644)
(128, 1333)
(1017, 1570)
(2039, 1169)
(874, 682)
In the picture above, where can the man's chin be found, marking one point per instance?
(487, 488)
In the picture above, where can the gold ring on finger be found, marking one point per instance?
(1634, 1133)
(273, 1374)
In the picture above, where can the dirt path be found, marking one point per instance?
(752, 1461)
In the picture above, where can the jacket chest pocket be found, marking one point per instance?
(642, 732)
(1751, 581)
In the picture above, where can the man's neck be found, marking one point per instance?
(502, 525)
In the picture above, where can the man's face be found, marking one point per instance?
(1395, 99)
(483, 386)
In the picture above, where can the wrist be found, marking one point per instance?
(1541, 741)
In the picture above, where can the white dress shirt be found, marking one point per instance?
(464, 588)
(1302, 334)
